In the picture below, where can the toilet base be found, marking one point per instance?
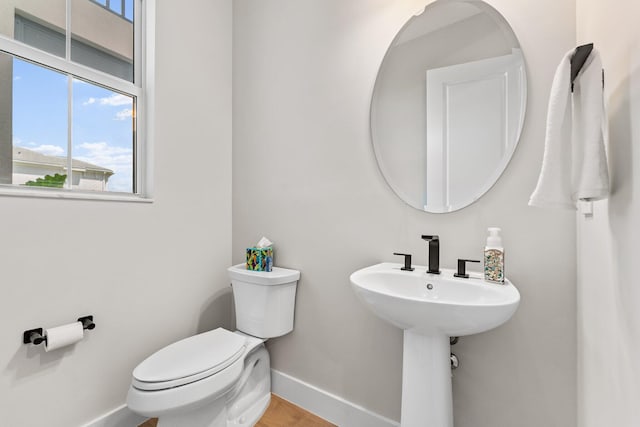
(242, 406)
(212, 415)
(251, 416)
(216, 416)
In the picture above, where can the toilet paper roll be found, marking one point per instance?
(63, 336)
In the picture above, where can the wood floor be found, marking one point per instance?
(280, 413)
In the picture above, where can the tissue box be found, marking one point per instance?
(259, 259)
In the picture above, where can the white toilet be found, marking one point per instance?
(220, 378)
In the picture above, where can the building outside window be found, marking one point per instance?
(71, 93)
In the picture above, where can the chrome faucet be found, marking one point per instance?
(434, 254)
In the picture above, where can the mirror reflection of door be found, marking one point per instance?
(462, 58)
(468, 127)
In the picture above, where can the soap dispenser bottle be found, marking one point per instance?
(494, 257)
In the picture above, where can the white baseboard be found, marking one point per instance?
(119, 417)
(325, 405)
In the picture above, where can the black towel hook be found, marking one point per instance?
(578, 59)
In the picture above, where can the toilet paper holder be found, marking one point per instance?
(36, 336)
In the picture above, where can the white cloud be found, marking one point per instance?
(46, 149)
(114, 100)
(124, 114)
(16, 78)
(118, 159)
(103, 154)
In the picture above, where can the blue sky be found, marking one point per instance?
(102, 122)
(116, 6)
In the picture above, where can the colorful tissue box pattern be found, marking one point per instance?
(259, 259)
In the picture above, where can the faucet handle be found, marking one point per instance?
(462, 264)
(407, 261)
(430, 237)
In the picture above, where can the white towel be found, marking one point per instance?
(574, 166)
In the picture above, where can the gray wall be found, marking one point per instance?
(150, 273)
(304, 175)
(608, 292)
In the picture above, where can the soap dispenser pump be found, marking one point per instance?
(494, 257)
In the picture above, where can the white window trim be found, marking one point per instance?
(63, 193)
(146, 126)
(144, 60)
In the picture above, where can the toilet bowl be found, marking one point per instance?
(220, 378)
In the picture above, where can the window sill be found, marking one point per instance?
(8, 190)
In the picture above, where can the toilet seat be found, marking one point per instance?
(189, 360)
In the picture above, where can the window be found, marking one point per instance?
(71, 96)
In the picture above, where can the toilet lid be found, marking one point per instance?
(189, 360)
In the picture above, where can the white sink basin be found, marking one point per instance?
(434, 303)
(431, 308)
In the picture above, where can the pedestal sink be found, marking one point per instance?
(430, 308)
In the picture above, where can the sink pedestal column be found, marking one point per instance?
(426, 381)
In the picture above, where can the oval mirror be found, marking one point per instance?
(448, 105)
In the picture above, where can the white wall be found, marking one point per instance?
(304, 174)
(161, 271)
(608, 292)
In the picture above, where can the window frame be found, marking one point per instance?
(141, 88)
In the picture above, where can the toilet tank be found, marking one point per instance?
(264, 301)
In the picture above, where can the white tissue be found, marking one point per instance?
(264, 243)
(63, 336)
